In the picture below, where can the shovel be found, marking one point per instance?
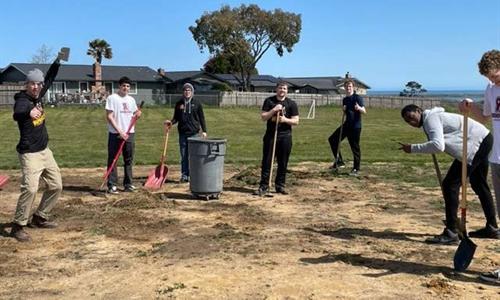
(158, 176)
(466, 248)
(336, 169)
(268, 194)
(4, 179)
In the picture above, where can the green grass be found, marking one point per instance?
(78, 138)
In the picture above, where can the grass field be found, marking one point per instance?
(78, 137)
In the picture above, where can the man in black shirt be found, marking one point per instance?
(37, 160)
(353, 107)
(288, 113)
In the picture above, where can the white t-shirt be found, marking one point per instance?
(123, 109)
(492, 108)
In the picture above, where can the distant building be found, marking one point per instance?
(79, 79)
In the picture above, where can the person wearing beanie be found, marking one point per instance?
(188, 113)
(36, 159)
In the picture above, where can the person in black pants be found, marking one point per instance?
(288, 117)
(353, 107)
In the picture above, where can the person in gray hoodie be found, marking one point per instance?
(444, 132)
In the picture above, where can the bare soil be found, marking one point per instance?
(333, 237)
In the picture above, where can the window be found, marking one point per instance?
(84, 86)
(58, 88)
(109, 87)
(133, 88)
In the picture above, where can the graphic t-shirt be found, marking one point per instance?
(123, 109)
(492, 108)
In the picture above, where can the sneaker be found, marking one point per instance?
(354, 172)
(39, 222)
(19, 234)
(262, 191)
(113, 190)
(281, 190)
(130, 189)
(184, 179)
(488, 232)
(493, 276)
(448, 237)
(338, 165)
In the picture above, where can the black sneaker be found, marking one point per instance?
(448, 237)
(113, 190)
(338, 165)
(281, 190)
(184, 179)
(493, 276)
(488, 232)
(262, 191)
(130, 189)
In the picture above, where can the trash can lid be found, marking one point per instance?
(197, 139)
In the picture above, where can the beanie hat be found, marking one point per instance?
(189, 86)
(35, 75)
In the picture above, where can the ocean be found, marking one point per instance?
(451, 96)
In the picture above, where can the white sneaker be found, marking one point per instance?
(493, 276)
(113, 190)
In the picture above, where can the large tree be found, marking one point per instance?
(98, 49)
(43, 55)
(245, 33)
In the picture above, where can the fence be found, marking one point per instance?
(256, 99)
(223, 99)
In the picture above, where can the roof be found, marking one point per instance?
(182, 75)
(256, 80)
(84, 72)
(323, 82)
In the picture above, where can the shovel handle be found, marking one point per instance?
(274, 149)
(463, 200)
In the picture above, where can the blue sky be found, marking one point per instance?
(384, 43)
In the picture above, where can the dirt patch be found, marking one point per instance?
(334, 236)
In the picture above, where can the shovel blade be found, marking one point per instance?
(156, 178)
(464, 254)
(4, 179)
(64, 54)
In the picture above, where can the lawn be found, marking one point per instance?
(78, 137)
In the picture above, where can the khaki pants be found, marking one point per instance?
(35, 166)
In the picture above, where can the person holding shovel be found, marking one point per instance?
(189, 114)
(120, 111)
(489, 67)
(352, 108)
(286, 109)
(35, 157)
(444, 132)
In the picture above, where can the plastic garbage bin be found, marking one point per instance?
(206, 166)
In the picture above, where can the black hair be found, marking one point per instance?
(123, 80)
(410, 108)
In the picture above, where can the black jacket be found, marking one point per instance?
(33, 133)
(190, 117)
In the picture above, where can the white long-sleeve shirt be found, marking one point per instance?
(445, 133)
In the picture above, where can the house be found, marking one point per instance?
(146, 84)
(201, 80)
(332, 85)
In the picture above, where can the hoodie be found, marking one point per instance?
(33, 133)
(445, 132)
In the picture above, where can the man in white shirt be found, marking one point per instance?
(120, 110)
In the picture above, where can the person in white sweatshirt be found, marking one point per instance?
(444, 133)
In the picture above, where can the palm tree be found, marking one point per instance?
(98, 49)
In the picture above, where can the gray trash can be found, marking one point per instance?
(206, 166)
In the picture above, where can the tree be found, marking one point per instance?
(224, 63)
(43, 55)
(245, 33)
(413, 89)
(98, 49)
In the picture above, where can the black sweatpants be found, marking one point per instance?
(283, 150)
(353, 135)
(114, 142)
(477, 173)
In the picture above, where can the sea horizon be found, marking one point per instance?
(445, 95)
